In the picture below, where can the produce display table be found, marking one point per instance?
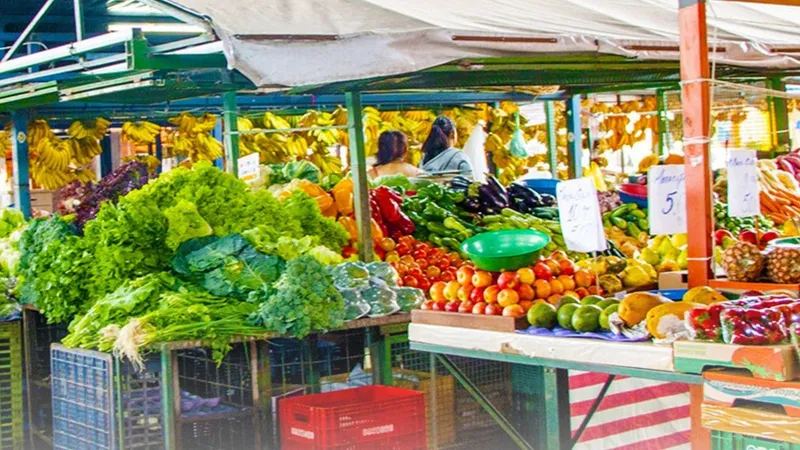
(545, 362)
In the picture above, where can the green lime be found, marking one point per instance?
(606, 303)
(610, 309)
(591, 300)
(586, 318)
(566, 299)
(543, 315)
(565, 315)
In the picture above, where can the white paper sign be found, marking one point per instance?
(743, 186)
(168, 164)
(248, 167)
(666, 199)
(579, 214)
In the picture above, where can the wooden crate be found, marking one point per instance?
(475, 321)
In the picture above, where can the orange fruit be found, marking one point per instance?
(542, 288)
(583, 278)
(567, 281)
(556, 287)
(437, 291)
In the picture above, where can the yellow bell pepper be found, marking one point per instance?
(343, 196)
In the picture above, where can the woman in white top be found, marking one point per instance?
(438, 150)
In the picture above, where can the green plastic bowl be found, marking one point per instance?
(784, 241)
(496, 251)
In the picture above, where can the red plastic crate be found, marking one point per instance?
(370, 417)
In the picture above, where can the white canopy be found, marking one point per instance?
(301, 42)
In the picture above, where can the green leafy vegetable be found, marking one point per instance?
(304, 209)
(304, 300)
(185, 223)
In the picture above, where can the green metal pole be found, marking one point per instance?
(574, 138)
(19, 146)
(231, 134)
(167, 398)
(552, 146)
(556, 399)
(358, 170)
(663, 122)
(779, 115)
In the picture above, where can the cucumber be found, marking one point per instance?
(619, 223)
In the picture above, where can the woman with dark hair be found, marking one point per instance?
(391, 157)
(438, 150)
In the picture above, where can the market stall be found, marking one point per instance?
(183, 225)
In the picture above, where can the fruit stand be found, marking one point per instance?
(155, 274)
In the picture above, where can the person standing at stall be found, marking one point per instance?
(391, 157)
(439, 153)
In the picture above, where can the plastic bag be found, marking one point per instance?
(475, 152)
(385, 272)
(518, 146)
(753, 326)
(409, 298)
(355, 306)
(381, 298)
(350, 275)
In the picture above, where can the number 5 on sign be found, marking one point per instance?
(743, 184)
(666, 199)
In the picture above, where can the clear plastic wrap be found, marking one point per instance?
(351, 275)
(385, 272)
(354, 304)
(753, 326)
(409, 298)
(381, 298)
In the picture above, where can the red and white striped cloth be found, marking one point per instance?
(635, 414)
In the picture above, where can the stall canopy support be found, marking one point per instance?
(217, 134)
(105, 157)
(19, 145)
(159, 152)
(663, 122)
(574, 137)
(358, 170)
(779, 116)
(231, 133)
(695, 72)
(552, 147)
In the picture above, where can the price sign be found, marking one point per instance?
(168, 164)
(666, 199)
(579, 213)
(248, 167)
(743, 186)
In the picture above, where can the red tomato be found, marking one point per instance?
(410, 281)
(445, 260)
(402, 249)
(387, 244)
(422, 263)
(442, 264)
(419, 254)
(424, 284)
(447, 277)
(441, 251)
(407, 259)
(423, 246)
(433, 271)
(433, 258)
(415, 272)
(381, 254)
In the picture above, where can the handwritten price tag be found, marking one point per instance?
(168, 164)
(579, 213)
(666, 198)
(743, 186)
(248, 167)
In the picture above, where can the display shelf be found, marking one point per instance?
(724, 284)
(642, 359)
(472, 321)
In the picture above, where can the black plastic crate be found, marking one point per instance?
(102, 403)
(240, 432)
(11, 397)
(37, 336)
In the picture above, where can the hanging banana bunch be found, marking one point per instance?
(141, 132)
(5, 139)
(85, 129)
(193, 139)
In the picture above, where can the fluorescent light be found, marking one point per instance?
(157, 27)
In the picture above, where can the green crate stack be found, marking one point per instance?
(11, 409)
(724, 440)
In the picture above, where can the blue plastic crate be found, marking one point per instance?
(93, 395)
(542, 185)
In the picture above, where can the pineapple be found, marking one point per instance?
(783, 264)
(743, 261)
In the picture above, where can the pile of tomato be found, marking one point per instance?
(418, 263)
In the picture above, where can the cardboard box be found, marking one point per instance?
(751, 420)
(673, 280)
(771, 362)
(734, 388)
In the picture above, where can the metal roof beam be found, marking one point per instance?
(24, 35)
(64, 51)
